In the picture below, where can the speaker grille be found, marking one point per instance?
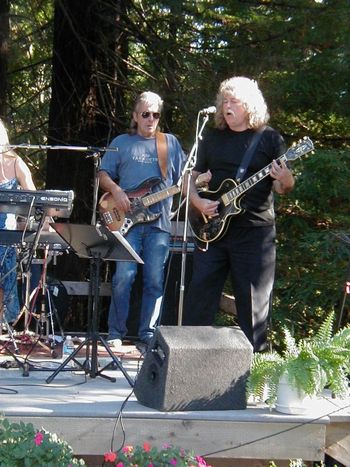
(195, 368)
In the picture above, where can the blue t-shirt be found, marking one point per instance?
(135, 160)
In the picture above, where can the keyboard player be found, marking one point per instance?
(14, 174)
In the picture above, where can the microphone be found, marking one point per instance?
(208, 110)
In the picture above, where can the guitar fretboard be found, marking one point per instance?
(154, 198)
(247, 184)
(295, 152)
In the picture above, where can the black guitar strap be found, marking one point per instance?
(248, 154)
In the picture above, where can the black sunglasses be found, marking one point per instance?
(156, 115)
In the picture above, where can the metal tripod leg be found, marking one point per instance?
(9, 333)
(90, 366)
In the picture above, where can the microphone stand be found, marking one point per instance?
(7, 147)
(190, 163)
(96, 155)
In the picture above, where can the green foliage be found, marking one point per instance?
(29, 74)
(311, 258)
(310, 364)
(23, 446)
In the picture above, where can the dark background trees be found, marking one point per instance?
(74, 68)
(84, 98)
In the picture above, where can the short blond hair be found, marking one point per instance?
(248, 92)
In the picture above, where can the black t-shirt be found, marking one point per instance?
(222, 151)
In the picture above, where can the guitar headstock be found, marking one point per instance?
(303, 146)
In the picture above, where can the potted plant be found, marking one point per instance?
(307, 367)
(21, 445)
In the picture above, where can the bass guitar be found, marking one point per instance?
(229, 194)
(140, 199)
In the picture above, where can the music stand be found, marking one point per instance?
(96, 243)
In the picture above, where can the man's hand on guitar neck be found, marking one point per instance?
(283, 177)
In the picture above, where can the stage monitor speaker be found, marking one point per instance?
(195, 368)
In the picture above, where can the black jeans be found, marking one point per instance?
(249, 255)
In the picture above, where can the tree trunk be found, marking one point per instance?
(86, 99)
(86, 110)
(4, 36)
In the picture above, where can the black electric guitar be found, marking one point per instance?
(229, 194)
(140, 200)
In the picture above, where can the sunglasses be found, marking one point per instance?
(156, 115)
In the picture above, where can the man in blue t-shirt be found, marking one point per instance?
(134, 162)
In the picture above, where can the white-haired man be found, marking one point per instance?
(137, 163)
(247, 250)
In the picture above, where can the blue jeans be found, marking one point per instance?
(152, 245)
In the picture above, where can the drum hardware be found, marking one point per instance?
(39, 204)
(9, 334)
(44, 321)
(26, 255)
(44, 318)
(3, 320)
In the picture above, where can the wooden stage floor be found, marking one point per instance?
(93, 413)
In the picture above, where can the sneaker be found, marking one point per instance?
(115, 343)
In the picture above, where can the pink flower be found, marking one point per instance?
(38, 439)
(120, 464)
(201, 461)
(110, 456)
(127, 449)
(146, 447)
(173, 462)
(150, 465)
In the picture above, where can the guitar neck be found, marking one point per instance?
(154, 198)
(253, 180)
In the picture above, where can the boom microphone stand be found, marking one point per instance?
(190, 163)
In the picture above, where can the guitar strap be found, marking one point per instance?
(162, 151)
(248, 154)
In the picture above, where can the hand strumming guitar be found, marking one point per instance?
(205, 206)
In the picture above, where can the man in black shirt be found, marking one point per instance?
(246, 249)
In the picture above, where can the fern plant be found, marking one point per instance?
(309, 365)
